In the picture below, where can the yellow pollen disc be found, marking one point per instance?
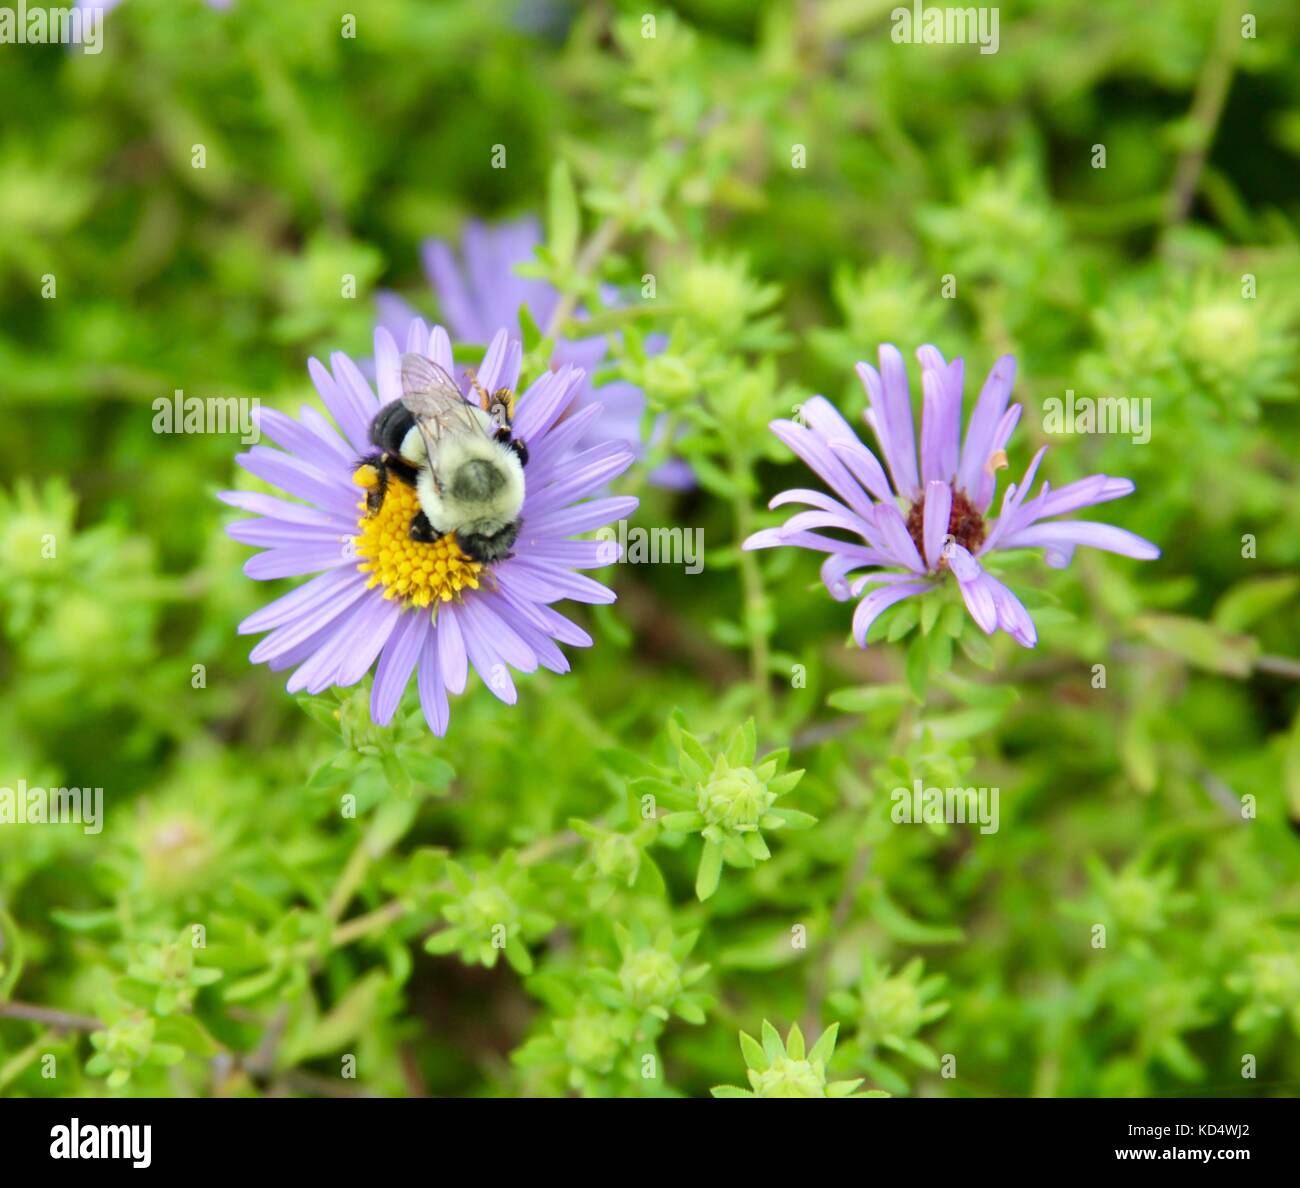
(417, 572)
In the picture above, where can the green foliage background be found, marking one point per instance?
(331, 937)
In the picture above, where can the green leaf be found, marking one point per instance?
(918, 668)
(686, 822)
(426, 769)
(1201, 644)
(861, 699)
(977, 646)
(390, 824)
(755, 1057)
(743, 745)
(444, 942)
(562, 217)
(320, 710)
(1253, 599)
(792, 818)
(709, 871)
(521, 960)
(903, 927)
(909, 611)
(931, 607)
(529, 331)
(824, 1048)
(773, 1048)
(84, 921)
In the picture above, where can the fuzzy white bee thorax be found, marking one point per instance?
(470, 485)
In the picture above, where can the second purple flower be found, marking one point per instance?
(914, 526)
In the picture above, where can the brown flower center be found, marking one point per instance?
(965, 525)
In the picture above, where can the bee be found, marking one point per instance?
(461, 458)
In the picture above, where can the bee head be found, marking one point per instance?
(476, 481)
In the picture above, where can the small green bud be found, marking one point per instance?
(650, 977)
(790, 1078)
(736, 800)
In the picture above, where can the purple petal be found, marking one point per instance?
(328, 436)
(283, 510)
(492, 670)
(453, 297)
(388, 367)
(372, 631)
(394, 313)
(297, 560)
(552, 450)
(393, 673)
(824, 418)
(440, 349)
(505, 640)
(417, 339)
(328, 592)
(345, 404)
(500, 366)
(546, 398)
(1012, 616)
(1010, 518)
(274, 534)
(1086, 492)
(976, 591)
(897, 539)
(581, 517)
(332, 492)
(804, 521)
(935, 517)
(559, 580)
(835, 570)
(318, 673)
(1071, 533)
(433, 694)
(989, 408)
(587, 473)
(891, 406)
(771, 538)
(987, 481)
(451, 649)
(817, 454)
(940, 427)
(877, 602)
(290, 434)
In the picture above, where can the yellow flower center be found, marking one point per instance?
(417, 572)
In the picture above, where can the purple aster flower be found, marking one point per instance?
(481, 291)
(415, 606)
(915, 526)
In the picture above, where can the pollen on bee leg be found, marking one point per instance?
(366, 476)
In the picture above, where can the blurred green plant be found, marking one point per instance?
(744, 201)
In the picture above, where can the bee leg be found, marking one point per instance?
(372, 474)
(422, 530)
(503, 437)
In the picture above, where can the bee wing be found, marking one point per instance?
(435, 401)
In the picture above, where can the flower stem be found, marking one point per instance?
(1207, 108)
(755, 605)
(593, 251)
(63, 1020)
